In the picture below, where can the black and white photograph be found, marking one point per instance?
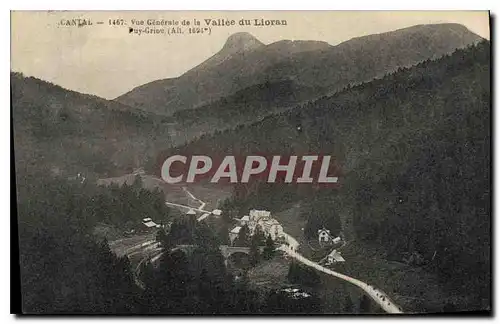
(252, 162)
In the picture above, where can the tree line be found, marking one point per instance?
(414, 149)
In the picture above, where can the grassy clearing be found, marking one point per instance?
(211, 194)
(271, 274)
(292, 222)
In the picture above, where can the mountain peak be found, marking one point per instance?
(241, 42)
(235, 44)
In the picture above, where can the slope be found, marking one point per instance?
(64, 132)
(414, 148)
(244, 61)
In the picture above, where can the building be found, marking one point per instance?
(324, 235)
(334, 257)
(259, 219)
(256, 215)
(148, 224)
(271, 227)
(217, 212)
(202, 217)
(262, 219)
(336, 240)
(244, 220)
(233, 234)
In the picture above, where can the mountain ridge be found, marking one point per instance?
(414, 150)
(310, 63)
(64, 132)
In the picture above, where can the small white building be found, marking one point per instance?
(233, 234)
(217, 212)
(202, 217)
(150, 224)
(324, 235)
(191, 212)
(334, 257)
(244, 220)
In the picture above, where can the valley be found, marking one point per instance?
(150, 251)
(391, 221)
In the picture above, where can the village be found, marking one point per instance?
(261, 220)
(325, 247)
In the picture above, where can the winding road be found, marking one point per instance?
(202, 203)
(199, 209)
(153, 251)
(375, 294)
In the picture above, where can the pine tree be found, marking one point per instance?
(162, 238)
(292, 273)
(243, 237)
(364, 304)
(254, 255)
(223, 235)
(259, 236)
(137, 184)
(269, 249)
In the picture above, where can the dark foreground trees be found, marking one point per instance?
(66, 270)
(298, 274)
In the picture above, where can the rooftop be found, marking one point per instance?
(272, 221)
(336, 256)
(259, 213)
(236, 230)
(202, 217)
(150, 224)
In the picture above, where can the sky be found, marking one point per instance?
(107, 61)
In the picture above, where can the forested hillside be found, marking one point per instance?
(65, 269)
(414, 148)
(243, 107)
(63, 132)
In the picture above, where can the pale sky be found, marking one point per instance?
(107, 61)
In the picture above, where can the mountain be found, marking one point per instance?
(411, 100)
(233, 68)
(242, 107)
(244, 61)
(414, 149)
(57, 131)
(236, 44)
